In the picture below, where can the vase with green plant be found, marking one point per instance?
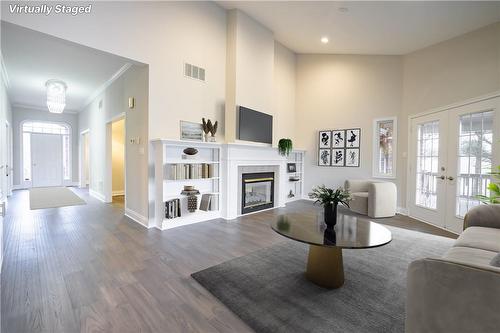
(330, 199)
(494, 188)
(285, 146)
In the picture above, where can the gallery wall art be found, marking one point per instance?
(339, 148)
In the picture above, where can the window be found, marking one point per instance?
(427, 164)
(30, 127)
(384, 148)
(474, 159)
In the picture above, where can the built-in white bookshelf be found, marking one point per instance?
(173, 172)
(295, 186)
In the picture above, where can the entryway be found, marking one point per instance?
(118, 160)
(451, 155)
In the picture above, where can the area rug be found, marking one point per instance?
(268, 290)
(51, 197)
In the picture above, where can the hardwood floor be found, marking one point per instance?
(90, 269)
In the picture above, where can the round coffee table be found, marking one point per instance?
(324, 264)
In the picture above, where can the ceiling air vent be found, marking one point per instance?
(194, 72)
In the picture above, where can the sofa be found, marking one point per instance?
(373, 198)
(459, 292)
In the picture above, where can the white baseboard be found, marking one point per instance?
(97, 195)
(136, 217)
(18, 187)
(114, 193)
(402, 211)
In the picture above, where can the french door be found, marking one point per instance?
(452, 153)
(46, 158)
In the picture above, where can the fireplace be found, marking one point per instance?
(257, 191)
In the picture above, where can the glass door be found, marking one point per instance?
(427, 168)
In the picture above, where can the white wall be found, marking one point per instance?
(132, 83)
(5, 117)
(340, 92)
(19, 115)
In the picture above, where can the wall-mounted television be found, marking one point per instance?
(254, 126)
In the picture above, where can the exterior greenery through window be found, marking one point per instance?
(62, 129)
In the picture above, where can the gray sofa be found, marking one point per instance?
(459, 292)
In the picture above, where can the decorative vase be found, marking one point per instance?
(331, 215)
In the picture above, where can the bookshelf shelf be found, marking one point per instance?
(170, 165)
(296, 186)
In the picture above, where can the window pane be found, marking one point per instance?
(66, 154)
(27, 156)
(385, 132)
(427, 165)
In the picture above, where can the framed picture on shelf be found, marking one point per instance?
(325, 139)
(338, 157)
(324, 157)
(338, 139)
(191, 131)
(291, 167)
(352, 157)
(353, 137)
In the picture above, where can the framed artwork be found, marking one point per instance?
(353, 137)
(352, 157)
(338, 139)
(291, 167)
(324, 157)
(325, 139)
(338, 157)
(191, 131)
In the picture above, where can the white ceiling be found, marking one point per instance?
(368, 27)
(31, 58)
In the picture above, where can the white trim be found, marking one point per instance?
(97, 195)
(105, 85)
(115, 193)
(40, 108)
(375, 156)
(138, 218)
(4, 73)
(80, 159)
(457, 104)
(402, 211)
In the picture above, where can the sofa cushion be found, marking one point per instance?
(495, 261)
(470, 255)
(359, 202)
(481, 238)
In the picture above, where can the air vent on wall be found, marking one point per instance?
(194, 72)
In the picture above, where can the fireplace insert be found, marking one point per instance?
(257, 191)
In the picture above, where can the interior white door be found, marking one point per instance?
(427, 168)
(472, 152)
(46, 159)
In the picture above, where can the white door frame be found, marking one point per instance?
(428, 112)
(108, 175)
(10, 158)
(80, 157)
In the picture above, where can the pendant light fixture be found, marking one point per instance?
(56, 95)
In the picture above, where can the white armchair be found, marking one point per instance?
(372, 198)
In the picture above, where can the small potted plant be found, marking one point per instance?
(330, 199)
(285, 146)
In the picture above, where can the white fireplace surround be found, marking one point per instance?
(238, 159)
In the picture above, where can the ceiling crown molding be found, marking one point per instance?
(5, 75)
(105, 85)
(39, 108)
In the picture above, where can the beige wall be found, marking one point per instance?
(118, 156)
(340, 92)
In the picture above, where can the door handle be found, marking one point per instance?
(442, 177)
(450, 178)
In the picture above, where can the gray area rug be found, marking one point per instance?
(52, 197)
(268, 290)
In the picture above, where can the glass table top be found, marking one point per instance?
(350, 232)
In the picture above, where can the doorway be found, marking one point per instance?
(451, 156)
(118, 161)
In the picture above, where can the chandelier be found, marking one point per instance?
(56, 95)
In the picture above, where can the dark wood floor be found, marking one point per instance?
(90, 269)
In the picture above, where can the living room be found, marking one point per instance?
(294, 166)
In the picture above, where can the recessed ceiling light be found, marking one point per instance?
(324, 40)
(343, 9)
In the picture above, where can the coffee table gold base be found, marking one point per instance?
(325, 267)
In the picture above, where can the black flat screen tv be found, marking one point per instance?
(255, 126)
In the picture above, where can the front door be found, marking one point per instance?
(46, 159)
(452, 155)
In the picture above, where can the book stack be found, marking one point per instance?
(172, 209)
(209, 201)
(190, 171)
